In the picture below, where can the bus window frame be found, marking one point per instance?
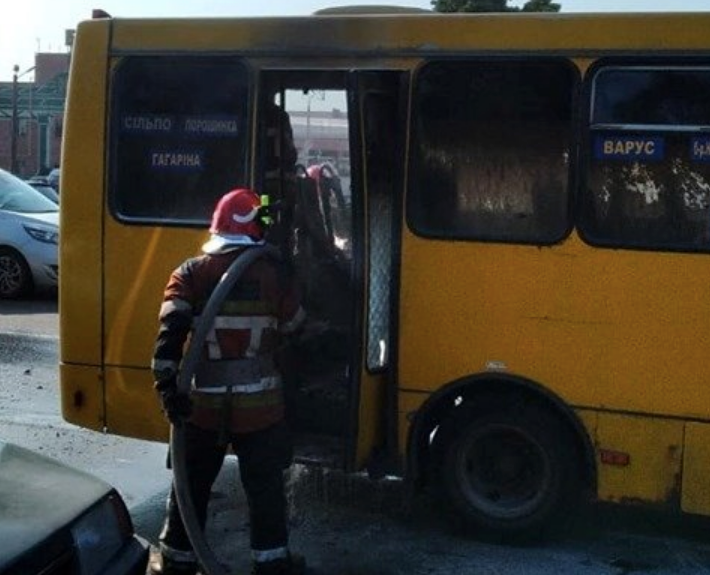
(573, 135)
(112, 120)
(587, 128)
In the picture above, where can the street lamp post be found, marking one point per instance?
(14, 134)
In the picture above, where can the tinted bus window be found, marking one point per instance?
(178, 136)
(491, 150)
(649, 158)
(665, 97)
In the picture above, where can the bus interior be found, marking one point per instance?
(320, 211)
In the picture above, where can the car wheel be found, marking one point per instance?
(510, 475)
(15, 275)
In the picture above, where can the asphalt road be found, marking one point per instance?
(344, 525)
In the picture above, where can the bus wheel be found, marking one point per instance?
(15, 275)
(510, 475)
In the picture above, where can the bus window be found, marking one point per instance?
(491, 150)
(173, 157)
(649, 158)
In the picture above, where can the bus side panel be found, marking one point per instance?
(132, 300)
(608, 329)
(131, 303)
(82, 396)
(81, 199)
(696, 469)
(655, 448)
(370, 429)
(408, 405)
(590, 421)
(132, 407)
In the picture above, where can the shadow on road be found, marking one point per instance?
(38, 304)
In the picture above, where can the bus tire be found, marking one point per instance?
(15, 275)
(511, 475)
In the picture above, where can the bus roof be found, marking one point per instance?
(422, 33)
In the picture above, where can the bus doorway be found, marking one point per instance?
(325, 156)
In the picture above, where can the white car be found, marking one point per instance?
(29, 238)
(57, 520)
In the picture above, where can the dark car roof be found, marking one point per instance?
(38, 496)
(45, 189)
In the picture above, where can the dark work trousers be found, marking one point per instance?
(263, 458)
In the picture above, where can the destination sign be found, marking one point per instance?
(210, 126)
(186, 160)
(147, 124)
(199, 126)
(629, 148)
(700, 149)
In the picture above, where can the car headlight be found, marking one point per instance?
(42, 234)
(100, 534)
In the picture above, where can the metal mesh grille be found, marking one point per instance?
(380, 240)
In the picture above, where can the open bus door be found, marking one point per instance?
(338, 207)
(378, 102)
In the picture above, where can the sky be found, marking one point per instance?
(29, 26)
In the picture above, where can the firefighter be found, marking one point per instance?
(237, 398)
(280, 158)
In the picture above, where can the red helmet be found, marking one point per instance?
(235, 221)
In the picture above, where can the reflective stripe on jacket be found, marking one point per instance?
(237, 370)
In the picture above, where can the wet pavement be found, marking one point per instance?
(348, 525)
(345, 525)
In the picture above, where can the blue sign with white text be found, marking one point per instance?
(182, 160)
(210, 126)
(147, 123)
(700, 149)
(629, 148)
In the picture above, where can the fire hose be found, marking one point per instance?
(206, 558)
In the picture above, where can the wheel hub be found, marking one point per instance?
(10, 275)
(503, 471)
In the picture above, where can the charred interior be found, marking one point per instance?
(306, 173)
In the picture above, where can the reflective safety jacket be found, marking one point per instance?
(237, 385)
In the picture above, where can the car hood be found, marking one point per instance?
(51, 218)
(38, 496)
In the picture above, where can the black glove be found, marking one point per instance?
(177, 407)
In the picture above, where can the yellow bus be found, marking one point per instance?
(501, 227)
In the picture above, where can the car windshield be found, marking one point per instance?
(47, 191)
(17, 196)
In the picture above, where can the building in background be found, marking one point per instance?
(322, 136)
(34, 111)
